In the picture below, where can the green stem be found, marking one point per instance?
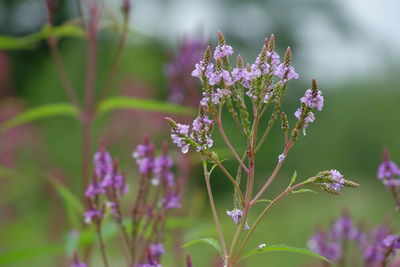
(263, 213)
(213, 208)
(226, 172)
(273, 175)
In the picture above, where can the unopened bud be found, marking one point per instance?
(126, 7)
(271, 43)
(239, 62)
(207, 55)
(314, 85)
(285, 123)
(221, 38)
(263, 54)
(288, 56)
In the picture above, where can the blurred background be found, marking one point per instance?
(352, 47)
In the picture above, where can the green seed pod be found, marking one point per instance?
(285, 122)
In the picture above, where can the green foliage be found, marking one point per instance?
(303, 190)
(40, 112)
(29, 41)
(285, 248)
(294, 176)
(210, 241)
(142, 104)
(28, 253)
(73, 206)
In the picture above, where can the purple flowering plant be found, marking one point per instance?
(142, 231)
(264, 83)
(348, 244)
(389, 174)
(374, 247)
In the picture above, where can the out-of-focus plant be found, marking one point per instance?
(264, 82)
(182, 87)
(345, 244)
(389, 174)
(157, 194)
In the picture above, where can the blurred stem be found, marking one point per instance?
(263, 213)
(102, 246)
(230, 177)
(213, 208)
(274, 173)
(62, 74)
(396, 198)
(218, 120)
(110, 77)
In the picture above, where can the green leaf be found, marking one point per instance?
(40, 112)
(210, 241)
(143, 104)
(215, 165)
(304, 190)
(294, 176)
(29, 41)
(73, 206)
(285, 248)
(29, 253)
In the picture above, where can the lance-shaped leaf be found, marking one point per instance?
(210, 241)
(36, 113)
(29, 41)
(143, 104)
(284, 248)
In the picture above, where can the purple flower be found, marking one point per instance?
(176, 135)
(172, 201)
(200, 69)
(102, 163)
(343, 229)
(222, 51)
(313, 99)
(286, 72)
(221, 76)
(94, 189)
(156, 250)
(391, 241)
(238, 74)
(79, 264)
(309, 118)
(281, 157)
(150, 264)
(337, 181)
(387, 170)
(236, 215)
(162, 166)
(201, 132)
(319, 244)
(92, 214)
(182, 89)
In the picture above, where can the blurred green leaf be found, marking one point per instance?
(6, 172)
(73, 206)
(285, 248)
(26, 42)
(179, 223)
(304, 190)
(143, 104)
(29, 253)
(40, 112)
(210, 241)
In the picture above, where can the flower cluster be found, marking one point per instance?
(150, 208)
(199, 136)
(219, 76)
(389, 172)
(107, 181)
(331, 181)
(373, 247)
(312, 99)
(182, 88)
